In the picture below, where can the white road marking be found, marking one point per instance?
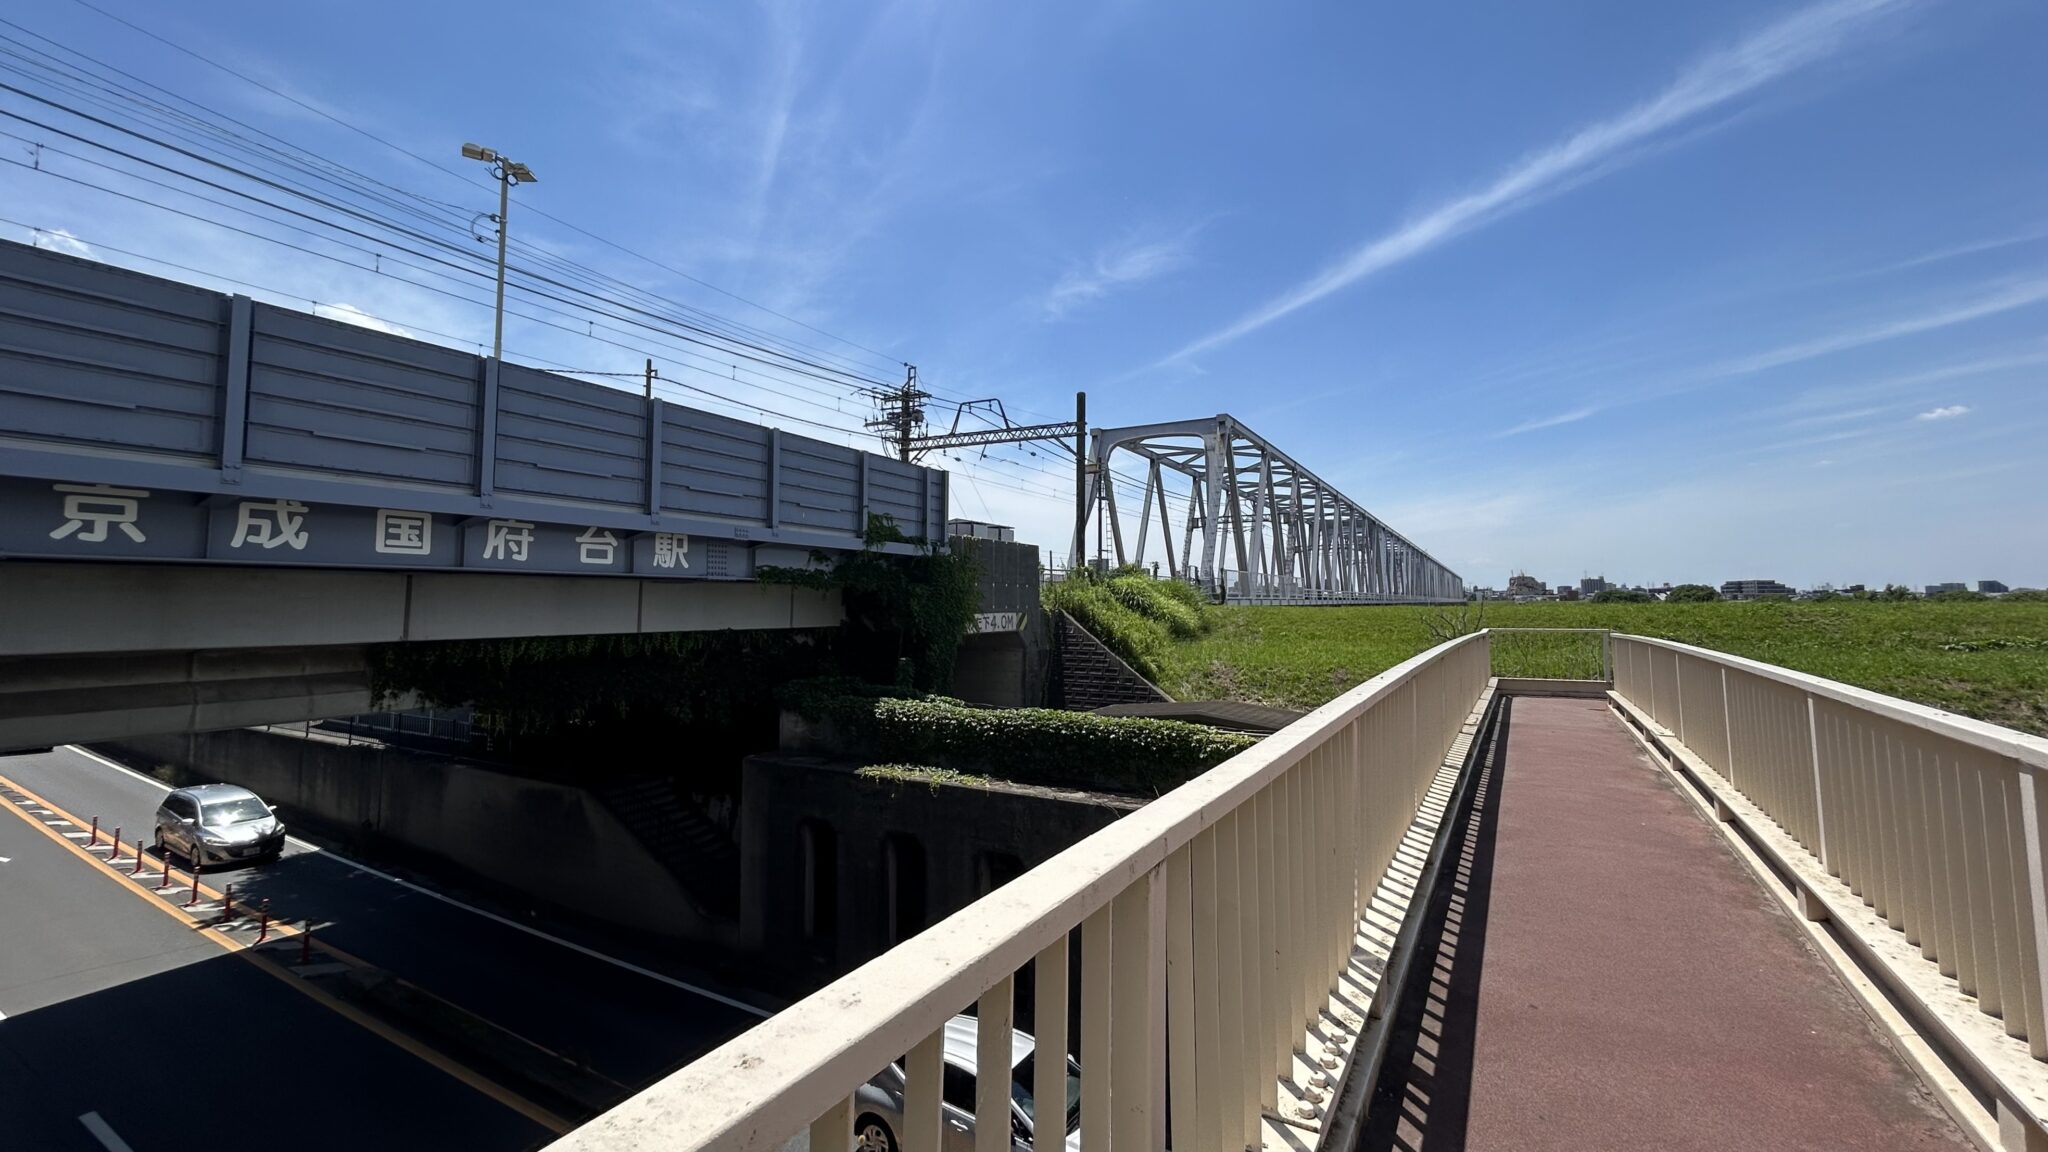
(105, 1135)
(571, 945)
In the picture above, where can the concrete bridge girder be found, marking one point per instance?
(109, 651)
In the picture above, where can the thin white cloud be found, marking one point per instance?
(1709, 83)
(1571, 417)
(2004, 299)
(61, 240)
(350, 314)
(1122, 265)
(1955, 251)
(1946, 412)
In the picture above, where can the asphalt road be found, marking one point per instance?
(113, 1007)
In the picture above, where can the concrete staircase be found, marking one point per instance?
(1090, 676)
(675, 831)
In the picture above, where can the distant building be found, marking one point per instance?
(981, 531)
(1992, 587)
(1855, 590)
(1950, 586)
(1521, 584)
(1591, 584)
(1752, 589)
(1567, 592)
(1488, 594)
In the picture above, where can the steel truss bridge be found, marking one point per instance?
(1258, 527)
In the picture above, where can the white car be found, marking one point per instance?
(878, 1105)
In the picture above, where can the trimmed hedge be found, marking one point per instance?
(1046, 746)
(1028, 745)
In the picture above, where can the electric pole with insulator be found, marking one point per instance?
(902, 412)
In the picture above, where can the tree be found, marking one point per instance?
(1895, 592)
(1622, 596)
(1692, 594)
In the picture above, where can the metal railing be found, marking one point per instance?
(1931, 820)
(1213, 926)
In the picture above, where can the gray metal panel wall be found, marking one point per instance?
(563, 438)
(896, 490)
(98, 355)
(713, 465)
(325, 394)
(820, 485)
(114, 377)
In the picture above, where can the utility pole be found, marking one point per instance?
(902, 412)
(1080, 477)
(652, 376)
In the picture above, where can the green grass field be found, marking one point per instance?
(1985, 659)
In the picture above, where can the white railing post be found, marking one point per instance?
(1095, 1041)
(1181, 1060)
(1137, 1015)
(1212, 919)
(2036, 912)
(923, 1085)
(1049, 1023)
(1820, 812)
(994, 1024)
(1727, 730)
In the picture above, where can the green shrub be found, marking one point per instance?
(1140, 640)
(1042, 745)
(1621, 596)
(1148, 598)
(1692, 594)
(922, 774)
(1133, 615)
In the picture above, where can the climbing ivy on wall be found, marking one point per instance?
(905, 615)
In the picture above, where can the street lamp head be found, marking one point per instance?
(520, 173)
(478, 152)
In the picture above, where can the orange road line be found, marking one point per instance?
(230, 944)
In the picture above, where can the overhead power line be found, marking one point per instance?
(458, 175)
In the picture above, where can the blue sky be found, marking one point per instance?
(1669, 292)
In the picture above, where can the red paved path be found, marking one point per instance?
(1609, 976)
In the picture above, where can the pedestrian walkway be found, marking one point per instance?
(1607, 975)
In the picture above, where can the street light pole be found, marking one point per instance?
(498, 311)
(508, 173)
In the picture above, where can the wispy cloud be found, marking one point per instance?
(1957, 251)
(1706, 85)
(1121, 265)
(2002, 299)
(1571, 417)
(1946, 412)
(61, 240)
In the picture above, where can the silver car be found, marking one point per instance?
(218, 823)
(878, 1105)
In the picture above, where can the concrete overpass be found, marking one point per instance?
(212, 505)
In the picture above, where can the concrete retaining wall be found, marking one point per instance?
(556, 843)
(970, 839)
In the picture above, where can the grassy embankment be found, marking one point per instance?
(1983, 659)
